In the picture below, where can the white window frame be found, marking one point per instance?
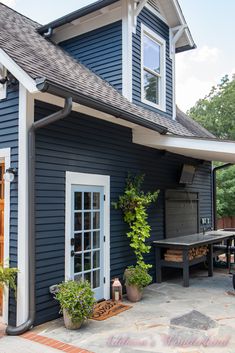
(3, 88)
(145, 31)
(73, 178)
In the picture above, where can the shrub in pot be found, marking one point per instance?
(136, 278)
(77, 301)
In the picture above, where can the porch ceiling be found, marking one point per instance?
(200, 148)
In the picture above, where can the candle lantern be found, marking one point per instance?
(116, 290)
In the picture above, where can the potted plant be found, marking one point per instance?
(136, 278)
(76, 302)
(8, 277)
(134, 204)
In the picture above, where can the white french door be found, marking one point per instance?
(87, 236)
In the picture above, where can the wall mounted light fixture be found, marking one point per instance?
(9, 175)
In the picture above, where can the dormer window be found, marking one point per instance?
(153, 69)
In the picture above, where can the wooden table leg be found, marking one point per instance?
(158, 264)
(228, 255)
(185, 268)
(210, 260)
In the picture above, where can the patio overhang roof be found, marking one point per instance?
(199, 148)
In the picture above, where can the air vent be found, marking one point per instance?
(153, 3)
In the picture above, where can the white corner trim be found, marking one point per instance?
(5, 156)
(26, 116)
(18, 72)
(161, 41)
(89, 180)
(140, 7)
(127, 26)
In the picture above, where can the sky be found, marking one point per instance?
(212, 24)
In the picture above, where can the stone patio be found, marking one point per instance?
(170, 318)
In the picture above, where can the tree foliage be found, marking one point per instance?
(216, 112)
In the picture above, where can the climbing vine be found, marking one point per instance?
(134, 203)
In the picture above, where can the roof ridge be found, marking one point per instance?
(20, 14)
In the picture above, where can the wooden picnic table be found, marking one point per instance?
(185, 243)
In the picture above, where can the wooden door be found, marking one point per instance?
(1, 226)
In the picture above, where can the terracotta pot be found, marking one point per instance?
(134, 294)
(69, 324)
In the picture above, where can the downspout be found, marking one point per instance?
(11, 330)
(214, 185)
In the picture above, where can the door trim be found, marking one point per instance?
(5, 156)
(89, 180)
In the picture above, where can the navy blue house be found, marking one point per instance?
(83, 101)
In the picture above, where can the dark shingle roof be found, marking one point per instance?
(39, 57)
(192, 125)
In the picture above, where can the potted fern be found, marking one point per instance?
(134, 204)
(76, 302)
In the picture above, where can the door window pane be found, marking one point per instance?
(96, 200)
(87, 220)
(87, 200)
(78, 221)
(96, 239)
(87, 241)
(78, 263)
(87, 261)
(77, 201)
(87, 277)
(151, 87)
(96, 259)
(96, 220)
(151, 54)
(78, 242)
(96, 279)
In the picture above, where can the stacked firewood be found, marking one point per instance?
(176, 255)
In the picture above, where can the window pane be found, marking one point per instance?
(87, 200)
(78, 243)
(87, 220)
(151, 54)
(77, 221)
(96, 200)
(96, 279)
(87, 241)
(151, 87)
(96, 259)
(87, 261)
(96, 220)
(87, 277)
(77, 200)
(96, 240)
(78, 263)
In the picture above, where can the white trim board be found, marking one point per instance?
(127, 26)
(18, 72)
(89, 180)
(5, 156)
(199, 148)
(26, 117)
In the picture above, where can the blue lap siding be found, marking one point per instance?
(101, 51)
(9, 139)
(159, 27)
(84, 144)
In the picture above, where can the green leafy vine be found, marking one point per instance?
(134, 203)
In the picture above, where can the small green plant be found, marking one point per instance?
(134, 203)
(8, 277)
(77, 299)
(137, 276)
